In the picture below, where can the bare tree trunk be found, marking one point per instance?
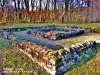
(66, 8)
(55, 5)
(88, 7)
(27, 8)
(27, 5)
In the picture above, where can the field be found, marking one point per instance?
(16, 60)
(88, 25)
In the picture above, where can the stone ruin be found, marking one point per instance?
(36, 43)
(56, 62)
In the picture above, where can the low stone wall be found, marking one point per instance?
(56, 62)
(67, 64)
(91, 30)
(76, 53)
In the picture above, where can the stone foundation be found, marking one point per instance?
(57, 62)
(54, 58)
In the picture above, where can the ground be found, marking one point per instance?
(16, 60)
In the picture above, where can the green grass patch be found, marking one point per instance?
(4, 44)
(98, 46)
(91, 25)
(16, 60)
(87, 25)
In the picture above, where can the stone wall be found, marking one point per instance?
(56, 62)
(91, 30)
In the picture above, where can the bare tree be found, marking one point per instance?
(55, 6)
(66, 5)
(40, 5)
(48, 10)
(32, 4)
(2, 2)
(27, 5)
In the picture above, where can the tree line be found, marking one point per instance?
(62, 11)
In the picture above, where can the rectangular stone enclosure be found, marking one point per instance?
(38, 43)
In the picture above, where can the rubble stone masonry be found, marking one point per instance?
(57, 61)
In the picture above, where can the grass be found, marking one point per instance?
(14, 59)
(92, 25)
(11, 25)
(88, 25)
(4, 44)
